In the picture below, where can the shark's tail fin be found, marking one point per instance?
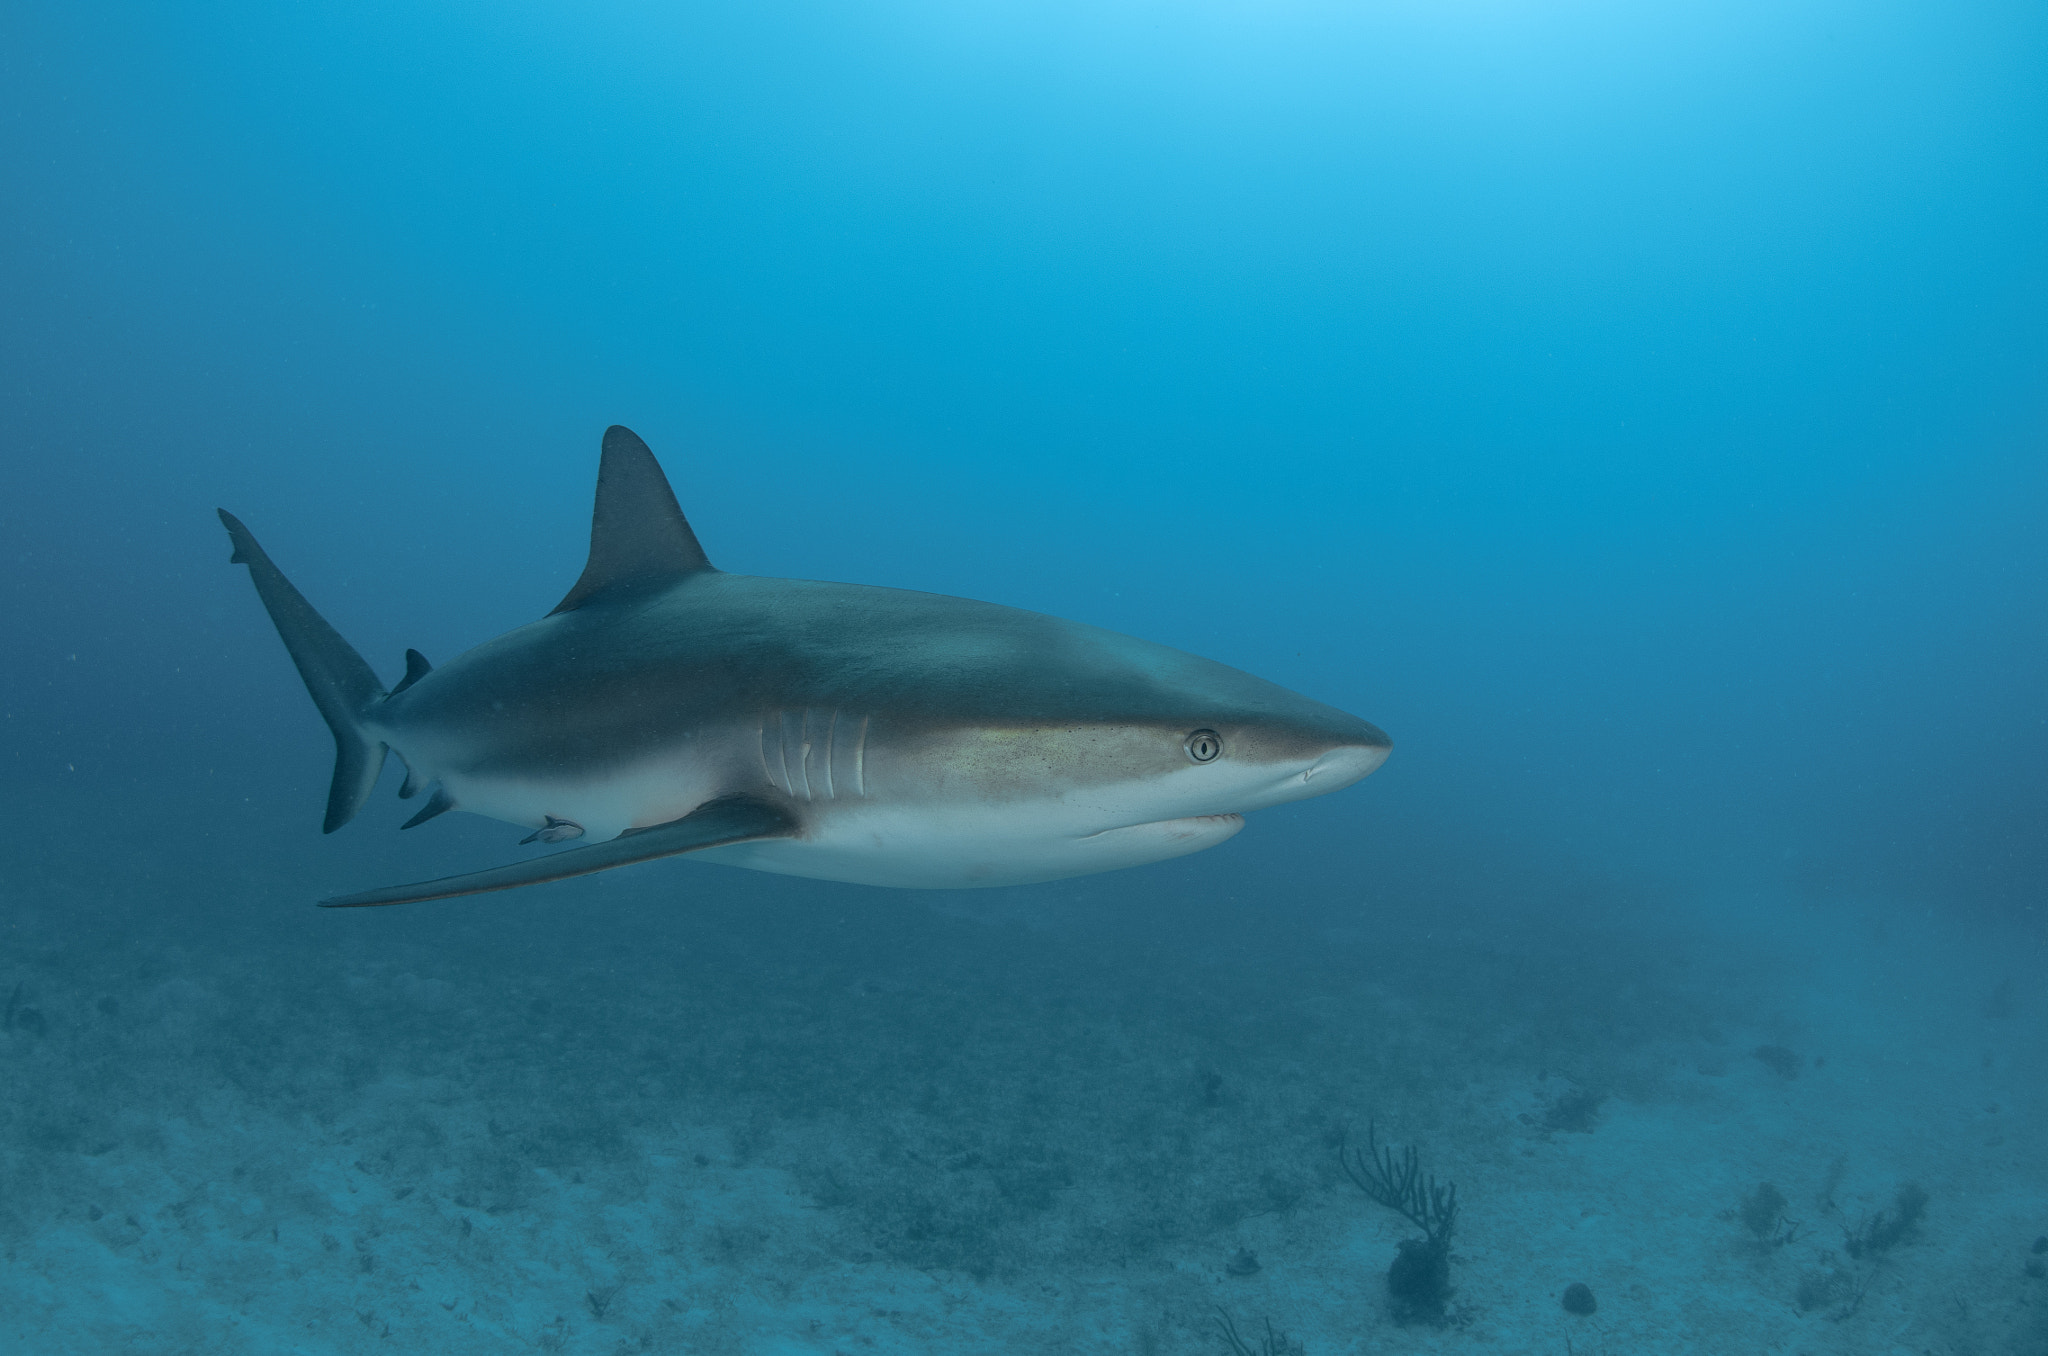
(340, 682)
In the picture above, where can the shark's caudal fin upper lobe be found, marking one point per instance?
(342, 685)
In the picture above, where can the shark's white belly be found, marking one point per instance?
(870, 842)
(980, 845)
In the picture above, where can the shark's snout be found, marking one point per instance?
(1340, 767)
(1312, 760)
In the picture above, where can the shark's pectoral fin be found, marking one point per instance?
(732, 819)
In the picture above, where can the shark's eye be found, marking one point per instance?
(1204, 746)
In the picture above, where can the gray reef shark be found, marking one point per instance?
(840, 731)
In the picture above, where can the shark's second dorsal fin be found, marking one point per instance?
(638, 536)
(416, 668)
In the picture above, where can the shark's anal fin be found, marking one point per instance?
(440, 803)
(639, 538)
(731, 819)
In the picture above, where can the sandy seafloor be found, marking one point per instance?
(689, 1109)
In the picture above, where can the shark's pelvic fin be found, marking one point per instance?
(639, 538)
(416, 668)
(342, 685)
(731, 819)
(440, 803)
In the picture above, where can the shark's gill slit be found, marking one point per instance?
(831, 733)
(803, 751)
(860, 761)
(782, 751)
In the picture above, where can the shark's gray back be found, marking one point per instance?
(715, 649)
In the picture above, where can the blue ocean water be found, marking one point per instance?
(1638, 411)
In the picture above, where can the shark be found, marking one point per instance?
(846, 732)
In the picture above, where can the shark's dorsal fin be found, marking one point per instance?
(639, 538)
(416, 668)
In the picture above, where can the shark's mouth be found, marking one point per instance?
(977, 858)
(1205, 828)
